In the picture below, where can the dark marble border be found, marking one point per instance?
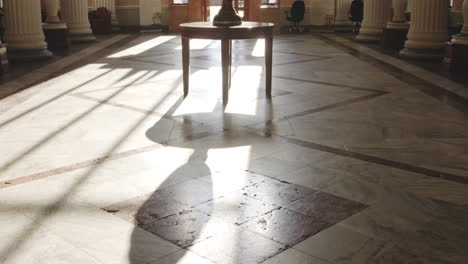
(445, 96)
(432, 90)
(97, 161)
(377, 160)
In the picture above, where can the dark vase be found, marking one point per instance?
(227, 16)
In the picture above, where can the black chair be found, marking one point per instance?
(356, 14)
(297, 15)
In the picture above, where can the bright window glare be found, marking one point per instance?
(142, 47)
(245, 90)
(259, 50)
(198, 44)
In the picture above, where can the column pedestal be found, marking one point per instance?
(23, 30)
(3, 58)
(110, 5)
(57, 39)
(456, 58)
(394, 39)
(396, 31)
(376, 15)
(456, 51)
(342, 21)
(55, 31)
(75, 15)
(428, 31)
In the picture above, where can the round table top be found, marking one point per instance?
(209, 25)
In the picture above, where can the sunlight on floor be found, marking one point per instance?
(245, 87)
(142, 47)
(259, 50)
(200, 44)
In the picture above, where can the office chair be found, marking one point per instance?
(297, 15)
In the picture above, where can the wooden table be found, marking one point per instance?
(248, 30)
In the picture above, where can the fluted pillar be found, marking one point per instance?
(342, 21)
(428, 30)
(399, 15)
(23, 30)
(457, 5)
(110, 5)
(75, 14)
(376, 15)
(53, 20)
(462, 37)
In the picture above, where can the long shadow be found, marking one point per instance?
(169, 211)
(60, 130)
(55, 206)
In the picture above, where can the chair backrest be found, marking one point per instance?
(298, 10)
(103, 12)
(357, 10)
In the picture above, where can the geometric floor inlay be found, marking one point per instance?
(253, 223)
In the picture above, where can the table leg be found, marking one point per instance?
(186, 63)
(268, 63)
(226, 62)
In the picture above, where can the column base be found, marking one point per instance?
(423, 54)
(116, 28)
(461, 39)
(456, 58)
(28, 55)
(153, 28)
(57, 39)
(394, 39)
(4, 65)
(80, 38)
(47, 26)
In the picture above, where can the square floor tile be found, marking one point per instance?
(237, 246)
(145, 209)
(232, 180)
(286, 226)
(190, 193)
(236, 208)
(277, 192)
(186, 228)
(326, 207)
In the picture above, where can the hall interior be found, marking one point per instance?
(358, 156)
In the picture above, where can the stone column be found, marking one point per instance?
(75, 14)
(23, 30)
(399, 17)
(457, 5)
(428, 30)
(396, 30)
(462, 37)
(342, 21)
(110, 5)
(376, 15)
(52, 21)
(55, 31)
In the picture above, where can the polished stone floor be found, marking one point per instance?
(358, 157)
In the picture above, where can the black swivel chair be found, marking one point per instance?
(356, 13)
(297, 15)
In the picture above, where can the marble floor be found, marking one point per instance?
(358, 157)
